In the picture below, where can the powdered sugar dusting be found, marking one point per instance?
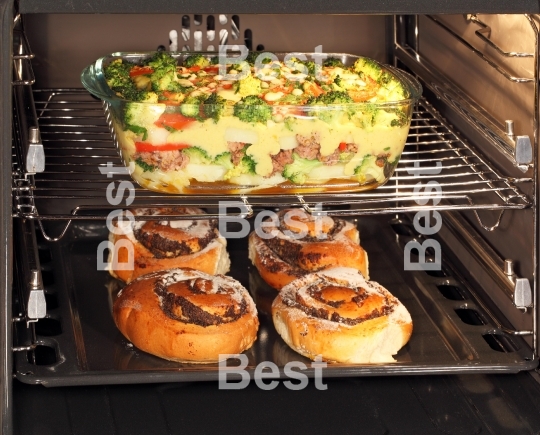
(220, 284)
(180, 224)
(341, 276)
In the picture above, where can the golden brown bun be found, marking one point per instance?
(163, 245)
(339, 315)
(284, 257)
(186, 315)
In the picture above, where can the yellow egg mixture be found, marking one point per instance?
(267, 140)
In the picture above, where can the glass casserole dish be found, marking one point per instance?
(187, 124)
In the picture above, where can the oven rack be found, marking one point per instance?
(77, 142)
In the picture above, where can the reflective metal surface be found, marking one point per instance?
(452, 333)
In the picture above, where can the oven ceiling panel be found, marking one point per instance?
(281, 6)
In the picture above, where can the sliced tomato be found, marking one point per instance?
(212, 68)
(171, 98)
(227, 86)
(194, 68)
(174, 120)
(145, 147)
(342, 146)
(140, 70)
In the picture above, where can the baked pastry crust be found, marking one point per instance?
(281, 255)
(339, 315)
(187, 316)
(163, 245)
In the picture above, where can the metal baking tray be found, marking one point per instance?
(78, 343)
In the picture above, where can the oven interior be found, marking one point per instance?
(474, 309)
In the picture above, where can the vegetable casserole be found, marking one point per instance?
(188, 123)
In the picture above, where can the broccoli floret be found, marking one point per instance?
(368, 170)
(161, 60)
(364, 164)
(146, 167)
(312, 67)
(118, 79)
(401, 120)
(332, 97)
(392, 90)
(368, 67)
(331, 115)
(252, 109)
(148, 97)
(298, 170)
(253, 55)
(246, 166)
(138, 130)
(249, 86)
(197, 155)
(333, 62)
(117, 75)
(224, 159)
(365, 114)
(338, 84)
(138, 115)
(164, 75)
(190, 107)
(214, 107)
(385, 78)
(390, 118)
(133, 94)
(214, 60)
(164, 83)
(196, 60)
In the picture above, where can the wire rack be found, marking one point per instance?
(78, 142)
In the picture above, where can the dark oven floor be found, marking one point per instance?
(454, 405)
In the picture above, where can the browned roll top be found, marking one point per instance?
(297, 243)
(340, 304)
(186, 315)
(197, 301)
(166, 241)
(338, 314)
(166, 244)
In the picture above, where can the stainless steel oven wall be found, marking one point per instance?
(491, 90)
(455, 64)
(65, 44)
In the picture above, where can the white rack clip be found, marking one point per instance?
(35, 156)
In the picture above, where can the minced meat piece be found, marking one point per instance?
(164, 160)
(284, 157)
(237, 151)
(330, 159)
(308, 146)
